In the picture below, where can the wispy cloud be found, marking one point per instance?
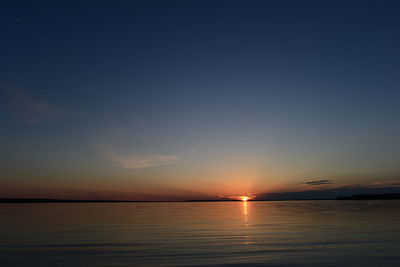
(318, 182)
(136, 161)
(33, 111)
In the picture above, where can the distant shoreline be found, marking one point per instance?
(45, 200)
(49, 200)
(370, 197)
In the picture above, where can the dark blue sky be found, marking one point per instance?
(197, 97)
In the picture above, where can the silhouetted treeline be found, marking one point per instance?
(48, 200)
(370, 196)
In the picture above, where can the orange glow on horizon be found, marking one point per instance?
(243, 198)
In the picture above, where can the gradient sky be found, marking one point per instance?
(155, 100)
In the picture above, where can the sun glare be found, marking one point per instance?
(244, 198)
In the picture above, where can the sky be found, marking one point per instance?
(175, 100)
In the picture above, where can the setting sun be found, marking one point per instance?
(244, 198)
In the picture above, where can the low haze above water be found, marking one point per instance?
(284, 233)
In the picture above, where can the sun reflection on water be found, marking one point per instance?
(245, 211)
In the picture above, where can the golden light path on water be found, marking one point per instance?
(245, 200)
(245, 210)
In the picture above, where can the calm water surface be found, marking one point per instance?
(287, 233)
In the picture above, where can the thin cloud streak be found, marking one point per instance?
(31, 110)
(318, 182)
(136, 161)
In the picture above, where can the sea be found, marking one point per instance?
(253, 233)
